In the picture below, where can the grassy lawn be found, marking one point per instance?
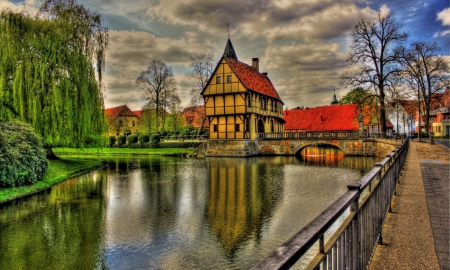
(124, 151)
(58, 171)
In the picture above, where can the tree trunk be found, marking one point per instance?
(49, 153)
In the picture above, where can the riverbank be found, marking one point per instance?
(58, 171)
(124, 151)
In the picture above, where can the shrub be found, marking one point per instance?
(144, 138)
(154, 141)
(112, 141)
(121, 140)
(22, 156)
(132, 139)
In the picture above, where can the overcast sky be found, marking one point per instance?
(302, 44)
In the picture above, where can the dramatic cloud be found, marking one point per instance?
(302, 44)
(444, 17)
(304, 69)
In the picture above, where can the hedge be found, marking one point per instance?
(22, 156)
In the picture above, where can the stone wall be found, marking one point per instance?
(232, 148)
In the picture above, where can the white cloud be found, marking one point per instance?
(384, 11)
(444, 16)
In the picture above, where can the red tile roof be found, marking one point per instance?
(195, 115)
(138, 113)
(113, 113)
(325, 118)
(252, 79)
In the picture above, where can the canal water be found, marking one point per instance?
(174, 213)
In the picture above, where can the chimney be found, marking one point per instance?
(265, 74)
(255, 64)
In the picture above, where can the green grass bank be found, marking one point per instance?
(58, 171)
(125, 151)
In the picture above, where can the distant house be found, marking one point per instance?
(195, 117)
(121, 121)
(440, 121)
(322, 119)
(402, 115)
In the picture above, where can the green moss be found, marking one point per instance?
(58, 171)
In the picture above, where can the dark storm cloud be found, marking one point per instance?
(217, 13)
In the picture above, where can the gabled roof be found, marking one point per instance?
(138, 113)
(229, 50)
(113, 113)
(252, 79)
(249, 77)
(324, 118)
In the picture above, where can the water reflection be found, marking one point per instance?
(169, 213)
(57, 229)
(326, 155)
(239, 199)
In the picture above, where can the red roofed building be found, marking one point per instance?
(121, 121)
(322, 119)
(195, 116)
(241, 102)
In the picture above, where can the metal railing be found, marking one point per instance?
(310, 135)
(187, 137)
(345, 235)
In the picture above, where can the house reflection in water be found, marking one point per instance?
(239, 200)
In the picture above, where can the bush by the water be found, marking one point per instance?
(22, 156)
(154, 141)
(112, 141)
(144, 138)
(121, 140)
(131, 139)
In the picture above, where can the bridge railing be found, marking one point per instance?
(310, 135)
(345, 235)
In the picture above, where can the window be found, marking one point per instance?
(133, 123)
(247, 125)
(263, 103)
(214, 128)
(249, 100)
(218, 79)
(189, 120)
(238, 128)
(228, 78)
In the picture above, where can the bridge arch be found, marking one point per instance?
(302, 146)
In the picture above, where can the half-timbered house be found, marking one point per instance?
(241, 102)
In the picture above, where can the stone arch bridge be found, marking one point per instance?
(289, 143)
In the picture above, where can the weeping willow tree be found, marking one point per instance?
(51, 72)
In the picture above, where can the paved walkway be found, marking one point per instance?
(416, 234)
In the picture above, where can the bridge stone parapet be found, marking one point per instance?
(350, 147)
(290, 147)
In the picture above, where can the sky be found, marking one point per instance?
(303, 45)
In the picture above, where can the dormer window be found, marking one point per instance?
(218, 79)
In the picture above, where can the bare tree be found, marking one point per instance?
(202, 68)
(374, 43)
(426, 72)
(159, 89)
